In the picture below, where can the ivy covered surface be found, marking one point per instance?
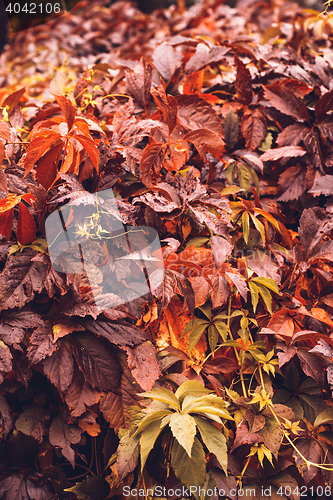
(214, 127)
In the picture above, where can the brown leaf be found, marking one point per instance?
(62, 436)
(5, 360)
(313, 452)
(204, 56)
(144, 365)
(292, 135)
(221, 249)
(41, 343)
(231, 129)
(59, 367)
(80, 396)
(284, 152)
(113, 411)
(311, 366)
(97, 362)
(6, 420)
(323, 185)
(20, 279)
(32, 422)
(286, 102)
(293, 183)
(116, 333)
(254, 128)
(151, 162)
(139, 82)
(14, 323)
(166, 60)
(324, 104)
(264, 265)
(209, 140)
(244, 436)
(243, 82)
(312, 143)
(195, 113)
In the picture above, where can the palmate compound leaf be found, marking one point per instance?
(91, 488)
(148, 437)
(190, 470)
(214, 440)
(183, 429)
(193, 387)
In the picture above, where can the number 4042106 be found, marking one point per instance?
(33, 8)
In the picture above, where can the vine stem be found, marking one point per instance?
(286, 435)
(235, 349)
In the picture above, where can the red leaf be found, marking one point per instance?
(67, 108)
(26, 226)
(90, 147)
(6, 223)
(286, 102)
(47, 168)
(243, 82)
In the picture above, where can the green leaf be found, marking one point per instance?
(254, 177)
(213, 336)
(325, 417)
(149, 419)
(214, 440)
(244, 177)
(268, 283)
(267, 143)
(254, 295)
(183, 429)
(206, 309)
(222, 328)
(266, 296)
(230, 172)
(191, 387)
(197, 242)
(246, 226)
(191, 471)
(191, 325)
(231, 190)
(91, 488)
(162, 395)
(148, 438)
(195, 336)
(259, 227)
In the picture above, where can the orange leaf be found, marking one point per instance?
(9, 202)
(90, 148)
(13, 99)
(39, 145)
(26, 226)
(93, 429)
(67, 108)
(193, 83)
(66, 165)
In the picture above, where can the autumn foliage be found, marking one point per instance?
(213, 126)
